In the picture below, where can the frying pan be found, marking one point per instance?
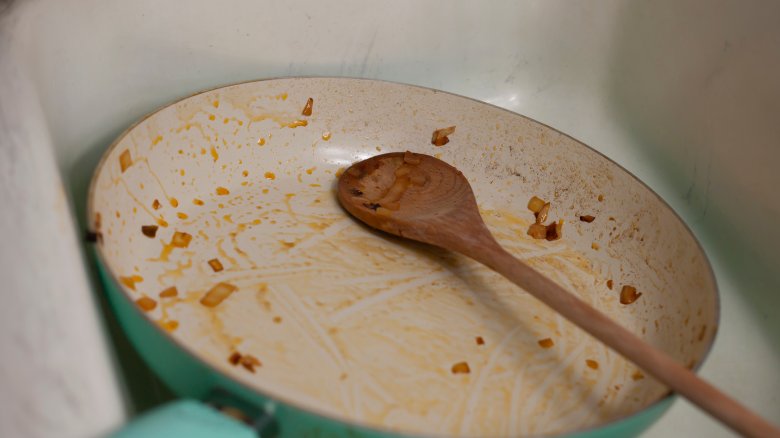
(256, 298)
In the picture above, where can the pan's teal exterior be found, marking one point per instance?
(196, 382)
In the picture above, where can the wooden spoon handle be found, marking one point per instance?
(650, 359)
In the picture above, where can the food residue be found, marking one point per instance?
(587, 218)
(609, 284)
(249, 362)
(261, 141)
(181, 239)
(221, 191)
(538, 230)
(479, 340)
(170, 325)
(307, 109)
(149, 230)
(169, 292)
(297, 123)
(197, 201)
(146, 304)
(637, 375)
(595, 246)
(277, 319)
(628, 294)
(174, 202)
(216, 265)
(162, 222)
(326, 135)
(217, 294)
(214, 153)
(601, 198)
(546, 343)
(592, 364)
(269, 175)
(125, 160)
(461, 368)
(439, 137)
(131, 281)
(554, 230)
(181, 215)
(156, 204)
(234, 358)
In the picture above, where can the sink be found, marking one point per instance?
(685, 95)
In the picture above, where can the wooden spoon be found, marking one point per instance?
(425, 199)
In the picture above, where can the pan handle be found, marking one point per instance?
(186, 418)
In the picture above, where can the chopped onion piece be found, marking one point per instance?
(628, 294)
(537, 231)
(146, 304)
(216, 265)
(461, 368)
(125, 160)
(542, 215)
(546, 343)
(181, 239)
(535, 204)
(307, 109)
(440, 138)
(217, 294)
(554, 231)
(169, 293)
(149, 230)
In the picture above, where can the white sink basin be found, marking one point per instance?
(684, 95)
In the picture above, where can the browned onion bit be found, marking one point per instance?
(628, 294)
(440, 138)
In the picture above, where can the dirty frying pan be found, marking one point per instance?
(268, 309)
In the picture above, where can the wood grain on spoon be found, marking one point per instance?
(422, 198)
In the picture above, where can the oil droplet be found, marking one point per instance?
(214, 153)
(261, 141)
(221, 191)
(226, 120)
(182, 172)
(245, 173)
(314, 185)
(157, 139)
(212, 117)
(197, 201)
(216, 103)
(240, 123)
(162, 222)
(265, 191)
(182, 215)
(270, 175)
(174, 202)
(310, 171)
(326, 135)
(228, 218)
(203, 151)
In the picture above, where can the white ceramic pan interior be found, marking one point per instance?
(366, 328)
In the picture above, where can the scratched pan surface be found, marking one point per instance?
(355, 326)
